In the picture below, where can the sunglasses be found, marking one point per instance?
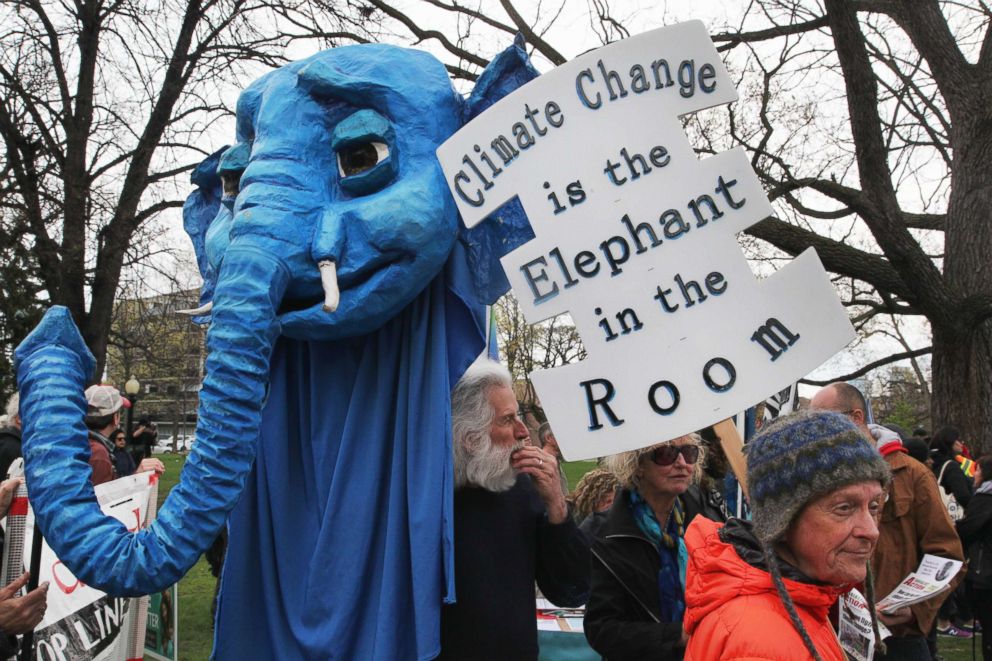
(667, 455)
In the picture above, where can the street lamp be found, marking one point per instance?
(131, 388)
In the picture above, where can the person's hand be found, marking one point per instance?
(685, 637)
(883, 435)
(151, 464)
(900, 616)
(22, 614)
(543, 469)
(7, 490)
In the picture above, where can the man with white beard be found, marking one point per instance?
(512, 526)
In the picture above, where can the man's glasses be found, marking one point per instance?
(667, 455)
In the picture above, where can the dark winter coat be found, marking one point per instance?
(705, 501)
(503, 545)
(954, 480)
(592, 523)
(623, 616)
(10, 448)
(975, 530)
(123, 462)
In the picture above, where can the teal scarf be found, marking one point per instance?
(671, 547)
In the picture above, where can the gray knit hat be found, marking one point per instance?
(800, 457)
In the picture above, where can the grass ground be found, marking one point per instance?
(576, 469)
(197, 587)
(956, 649)
(196, 590)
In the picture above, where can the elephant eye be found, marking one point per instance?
(231, 182)
(360, 157)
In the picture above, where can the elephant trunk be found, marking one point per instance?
(51, 370)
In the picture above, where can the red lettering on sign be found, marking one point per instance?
(67, 589)
(137, 520)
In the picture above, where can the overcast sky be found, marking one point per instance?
(572, 35)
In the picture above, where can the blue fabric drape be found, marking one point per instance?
(345, 525)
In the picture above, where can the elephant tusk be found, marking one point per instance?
(195, 312)
(329, 280)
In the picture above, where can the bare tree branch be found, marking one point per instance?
(888, 360)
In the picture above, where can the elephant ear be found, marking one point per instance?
(507, 227)
(199, 210)
(506, 72)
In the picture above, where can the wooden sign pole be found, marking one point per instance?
(733, 447)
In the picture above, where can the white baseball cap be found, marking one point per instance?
(104, 400)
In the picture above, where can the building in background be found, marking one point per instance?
(165, 352)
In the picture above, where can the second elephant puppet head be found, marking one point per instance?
(334, 215)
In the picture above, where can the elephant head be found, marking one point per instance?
(334, 216)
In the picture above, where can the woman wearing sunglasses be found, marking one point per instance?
(123, 462)
(638, 570)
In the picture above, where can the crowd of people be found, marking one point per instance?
(836, 503)
(645, 542)
(109, 459)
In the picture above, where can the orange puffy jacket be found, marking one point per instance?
(734, 612)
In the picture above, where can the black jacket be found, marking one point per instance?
(503, 544)
(954, 480)
(975, 530)
(706, 501)
(592, 523)
(123, 462)
(623, 616)
(10, 449)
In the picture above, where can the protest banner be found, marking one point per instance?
(80, 622)
(636, 238)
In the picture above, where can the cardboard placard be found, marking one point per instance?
(636, 238)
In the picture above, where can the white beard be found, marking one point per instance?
(490, 469)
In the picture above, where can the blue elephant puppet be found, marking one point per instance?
(324, 435)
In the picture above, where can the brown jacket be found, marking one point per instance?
(914, 522)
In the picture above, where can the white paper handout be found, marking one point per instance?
(854, 630)
(931, 578)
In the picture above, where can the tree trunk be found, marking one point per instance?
(962, 384)
(962, 353)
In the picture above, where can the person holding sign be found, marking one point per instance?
(18, 614)
(103, 416)
(638, 571)
(763, 589)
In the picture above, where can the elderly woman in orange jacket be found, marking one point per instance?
(762, 589)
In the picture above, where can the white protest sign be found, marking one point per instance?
(635, 237)
(81, 622)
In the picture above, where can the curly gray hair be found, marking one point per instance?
(625, 465)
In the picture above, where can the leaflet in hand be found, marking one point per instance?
(931, 578)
